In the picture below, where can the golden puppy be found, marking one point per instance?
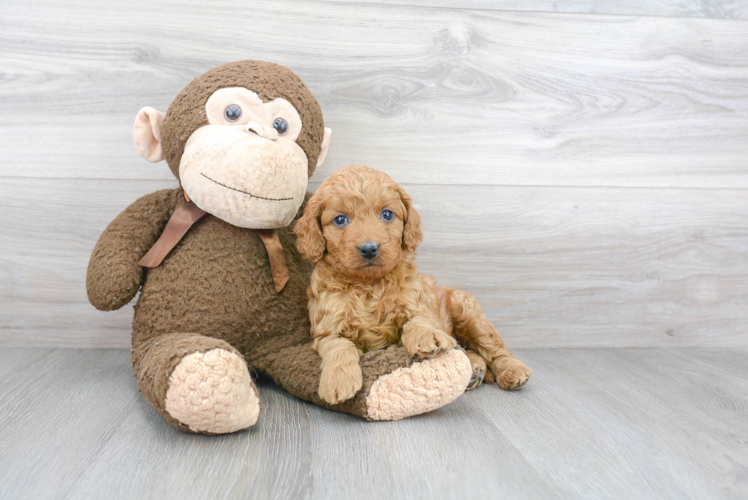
(361, 231)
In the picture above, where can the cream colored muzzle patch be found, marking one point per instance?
(213, 392)
(419, 388)
(244, 178)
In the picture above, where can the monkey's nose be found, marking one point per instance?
(368, 250)
(265, 132)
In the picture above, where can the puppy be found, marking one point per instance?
(361, 231)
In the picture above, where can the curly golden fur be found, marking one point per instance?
(366, 293)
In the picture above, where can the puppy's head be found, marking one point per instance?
(361, 222)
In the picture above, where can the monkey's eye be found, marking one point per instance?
(232, 112)
(386, 215)
(340, 221)
(281, 125)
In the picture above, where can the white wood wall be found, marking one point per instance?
(581, 167)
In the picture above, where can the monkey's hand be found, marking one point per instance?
(114, 276)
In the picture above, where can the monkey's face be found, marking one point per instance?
(243, 140)
(245, 166)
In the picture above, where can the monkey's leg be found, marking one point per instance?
(395, 386)
(197, 383)
(473, 328)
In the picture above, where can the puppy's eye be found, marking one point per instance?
(340, 221)
(386, 215)
(232, 112)
(281, 125)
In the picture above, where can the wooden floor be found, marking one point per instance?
(580, 166)
(594, 423)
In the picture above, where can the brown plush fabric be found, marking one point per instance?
(217, 282)
(270, 81)
(297, 369)
(155, 359)
(114, 276)
(215, 288)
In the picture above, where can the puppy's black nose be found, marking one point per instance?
(368, 250)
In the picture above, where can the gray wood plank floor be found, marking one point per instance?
(440, 95)
(717, 9)
(624, 423)
(552, 267)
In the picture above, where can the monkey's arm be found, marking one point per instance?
(114, 276)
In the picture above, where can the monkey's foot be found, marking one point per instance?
(213, 393)
(395, 385)
(421, 387)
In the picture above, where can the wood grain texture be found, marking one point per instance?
(585, 175)
(51, 227)
(444, 95)
(602, 424)
(552, 267)
(717, 9)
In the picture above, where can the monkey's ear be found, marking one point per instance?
(309, 238)
(412, 233)
(147, 133)
(325, 144)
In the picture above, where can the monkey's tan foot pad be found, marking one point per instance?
(424, 386)
(213, 393)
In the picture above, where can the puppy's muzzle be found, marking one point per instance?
(368, 250)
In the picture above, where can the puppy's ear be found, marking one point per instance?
(310, 242)
(412, 234)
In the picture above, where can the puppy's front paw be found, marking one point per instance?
(510, 373)
(425, 342)
(340, 382)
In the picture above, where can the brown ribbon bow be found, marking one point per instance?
(182, 220)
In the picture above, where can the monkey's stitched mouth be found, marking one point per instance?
(244, 192)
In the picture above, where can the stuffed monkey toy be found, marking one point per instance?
(223, 290)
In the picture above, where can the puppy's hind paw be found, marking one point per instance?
(479, 370)
(510, 373)
(476, 379)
